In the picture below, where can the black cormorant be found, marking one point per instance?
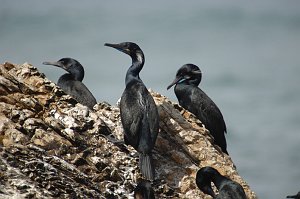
(297, 196)
(192, 98)
(71, 83)
(139, 114)
(227, 188)
(144, 191)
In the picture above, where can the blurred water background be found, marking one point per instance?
(248, 51)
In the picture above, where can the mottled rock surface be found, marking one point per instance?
(53, 147)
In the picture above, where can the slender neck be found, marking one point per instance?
(77, 72)
(133, 72)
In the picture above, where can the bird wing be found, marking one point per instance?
(131, 114)
(231, 190)
(82, 94)
(208, 112)
(197, 102)
(152, 117)
(139, 117)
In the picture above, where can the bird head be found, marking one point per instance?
(70, 65)
(204, 179)
(129, 48)
(189, 74)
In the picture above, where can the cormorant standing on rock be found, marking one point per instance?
(71, 82)
(144, 191)
(227, 188)
(193, 99)
(297, 196)
(139, 114)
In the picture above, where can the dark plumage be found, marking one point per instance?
(71, 82)
(139, 114)
(144, 191)
(297, 196)
(228, 189)
(192, 98)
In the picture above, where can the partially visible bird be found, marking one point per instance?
(144, 191)
(193, 99)
(139, 113)
(71, 82)
(228, 189)
(297, 196)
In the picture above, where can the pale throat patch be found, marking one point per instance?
(139, 57)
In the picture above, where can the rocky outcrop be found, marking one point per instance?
(53, 147)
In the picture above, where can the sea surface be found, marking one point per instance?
(248, 51)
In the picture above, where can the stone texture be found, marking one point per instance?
(53, 147)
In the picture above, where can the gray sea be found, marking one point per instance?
(248, 51)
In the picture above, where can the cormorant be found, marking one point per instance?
(193, 99)
(297, 196)
(144, 191)
(227, 188)
(71, 83)
(139, 114)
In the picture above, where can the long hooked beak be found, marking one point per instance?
(58, 64)
(118, 47)
(181, 79)
(176, 80)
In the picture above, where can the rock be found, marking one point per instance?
(53, 147)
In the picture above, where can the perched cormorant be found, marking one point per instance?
(144, 191)
(297, 196)
(139, 114)
(228, 189)
(71, 83)
(192, 98)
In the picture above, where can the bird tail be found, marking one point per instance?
(146, 166)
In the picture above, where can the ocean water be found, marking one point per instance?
(248, 51)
